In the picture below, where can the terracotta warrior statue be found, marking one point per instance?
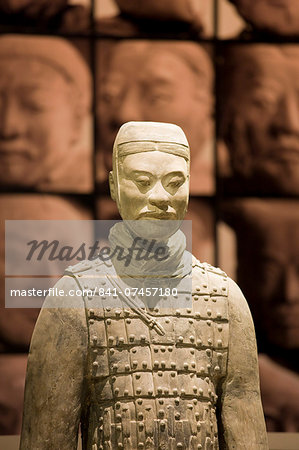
(141, 369)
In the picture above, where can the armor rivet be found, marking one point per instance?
(177, 416)
(172, 374)
(219, 315)
(208, 366)
(161, 413)
(94, 338)
(159, 390)
(173, 365)
(95, 364)
(91, 313)
(166, 391)
(115, 366)
(156, 309)
(121, 340)
(137, 376)
(219, 343)
(116, 391)
(214, 299)
(156, 363)
(135, 363)
(127, 367)
(197, 315)
(209, 312)
(108, 309)
(111, 338)
(197, 416)
(163, 349)
(194, 389)
(129, 321)
(204, 285)
(150, 392)
(132, 337)
(156, 350)
(186, 365)
(197, 288)
(163, 364)
(193, 364)
(177, 401)
(207, 379)
(126, 392)
(167, 320)
(134, 350)
(142, 337)
(181, 339)
(162, 425)
(219, 327)
(208, 352)
(140, 426)
(138, 391)
(161, 402)
(196, 298)
(187, 297)
(210, 342)
(190, 406)
(144, 364)
(139, 401)
(195, 402)
(95, 351)
(179, 445)
(199, 342)
(117, 312)
(141, 445)
(118, 417)
(223, 288)
(217, 368)
(209, 322)
(202, 370)
(214, 289)
(170, 349)
(189, 310)
(206, 299)
(119, 444)
(178, 312)
(117, 405)
(183, 391)
(209, 391)
(108, 321)
(140, 416)
(91, 321)
(160, 373)
(200, 391)
(192, 338)
(127, 312)
(192, 351)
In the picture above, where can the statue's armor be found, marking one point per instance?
(145, 390)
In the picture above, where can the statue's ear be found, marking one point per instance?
(112, 186)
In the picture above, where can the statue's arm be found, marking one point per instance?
(55, 373)
(242, 424)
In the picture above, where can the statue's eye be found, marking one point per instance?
(143, 181)
(175, 183)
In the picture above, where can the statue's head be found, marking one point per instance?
(157, 81)
(260, 121)
(276, 16)
(150, 177)
(44, 100)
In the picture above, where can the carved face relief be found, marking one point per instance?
(263, 117)
(276, 16)
(37, 121)
(152, 81)
(153, 185)
(269, 269)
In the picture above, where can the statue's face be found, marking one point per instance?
(278, 16)
(33, 8)
(264, 118)
(153, 185)
(269, 273)
(37, 121)
(151, 83)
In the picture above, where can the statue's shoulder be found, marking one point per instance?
(86, 272)
(209, 279)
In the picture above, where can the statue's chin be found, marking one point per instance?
(151, 228)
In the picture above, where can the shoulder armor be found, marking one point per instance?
(88, 266)
(209, 279)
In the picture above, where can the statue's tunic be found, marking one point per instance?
(145, 390)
